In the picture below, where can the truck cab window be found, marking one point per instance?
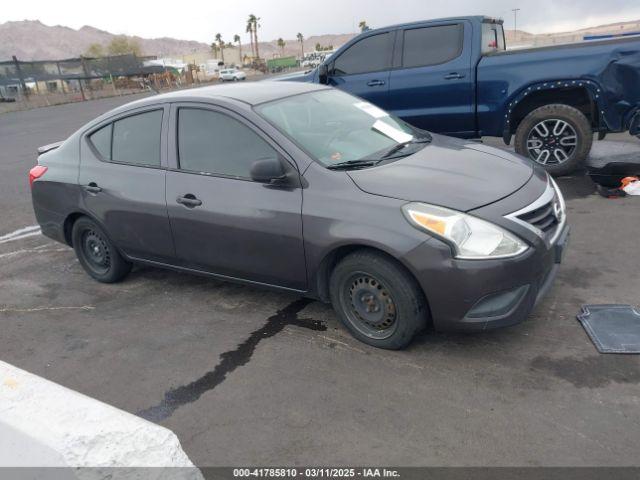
(371, 54)
(432, 45)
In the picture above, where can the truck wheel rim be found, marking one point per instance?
(552, 142)
(371, 309)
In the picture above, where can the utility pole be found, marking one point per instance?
(515, 24)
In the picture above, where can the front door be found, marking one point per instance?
(222, 221)
(363, 68)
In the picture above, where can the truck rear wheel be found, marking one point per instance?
(556, 136)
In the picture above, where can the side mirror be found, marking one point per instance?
(268, 170)
(323, 74)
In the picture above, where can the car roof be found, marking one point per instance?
(252, 93)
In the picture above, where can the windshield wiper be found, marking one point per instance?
(392, 151)
(353, 164)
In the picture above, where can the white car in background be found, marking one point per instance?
(232, 75)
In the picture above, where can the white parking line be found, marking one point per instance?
(21, 233)
(32, 250)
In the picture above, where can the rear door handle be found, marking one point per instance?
(189, 200)
(453, 76)
(375, 83)
(92, 188)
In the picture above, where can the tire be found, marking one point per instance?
(377, 300)
(566, 120)
(96, 253)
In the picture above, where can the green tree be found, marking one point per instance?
(122, 45)
(363, 26)
(94, 50)
(281, 44)
(301, 40)
(220, 44)
(318, 47)
(214, 49)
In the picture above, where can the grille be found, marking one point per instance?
(543, 218)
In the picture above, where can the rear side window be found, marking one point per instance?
(101, 141)
(370, 54)
(492, 38)
(432, 45)
(136, 139)
(212, 142)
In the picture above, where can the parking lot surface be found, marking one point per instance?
(246, 376)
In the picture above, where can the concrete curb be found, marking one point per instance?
(43, 424)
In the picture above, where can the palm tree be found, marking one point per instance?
(236, 38)
(255, 26)
(214, 49)
(363, 26)
(281, 44)
(220, 44)
(301, 40)
(249, 30)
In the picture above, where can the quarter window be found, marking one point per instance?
(136, 139)
(432, 45)
(370, 54)
(212, 142)
(101, 141)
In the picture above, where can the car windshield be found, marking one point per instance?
(335, 127)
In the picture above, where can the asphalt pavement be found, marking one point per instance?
(246, 376)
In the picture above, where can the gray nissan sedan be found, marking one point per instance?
(308, 189)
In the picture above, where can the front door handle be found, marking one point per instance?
(92, 188)
(453, 76)
(189, 200)
(375, 83)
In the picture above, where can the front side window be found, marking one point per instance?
(212, 142)
(335, 127)
(370, 54)
(136, 139)
(432, 45)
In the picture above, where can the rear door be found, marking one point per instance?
(363, 68)
(122, 175)
(432, 84)
(222, 221)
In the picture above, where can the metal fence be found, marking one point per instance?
(47, 82)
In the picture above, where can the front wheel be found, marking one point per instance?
(557, 136)
(378, 301)
(95, 252)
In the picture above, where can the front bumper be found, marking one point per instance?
(467, 295)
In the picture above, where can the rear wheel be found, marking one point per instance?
(557, 136)
(377, 300)
(97, 255)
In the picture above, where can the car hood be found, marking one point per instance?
(448, 172)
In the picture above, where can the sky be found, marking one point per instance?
(201, 20)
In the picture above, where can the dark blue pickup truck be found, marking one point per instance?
(454, 76)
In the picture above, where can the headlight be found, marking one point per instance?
(470, 237)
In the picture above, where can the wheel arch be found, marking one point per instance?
(584, 95)
(333, 257)
(71, 219)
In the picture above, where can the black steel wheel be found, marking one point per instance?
(373, 310)
(377, 299)
(95, 252)
(558, 137)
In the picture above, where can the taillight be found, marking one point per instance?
(35, 173)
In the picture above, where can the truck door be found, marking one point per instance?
(363, 68)
(432, 86)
